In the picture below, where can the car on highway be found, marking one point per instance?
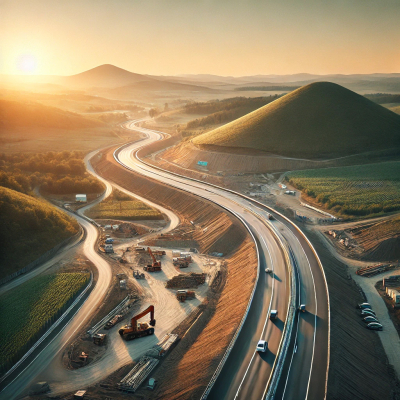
(268, 270)
(368, 311)
(376, 326)
(370, 318)
(302, 307)
(274, 314)
(262, 346)
(363, 306)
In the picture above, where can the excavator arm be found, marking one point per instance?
(150, 310)
(151, 254)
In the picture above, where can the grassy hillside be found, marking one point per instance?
(24, 318)
(320, 120)
(352, 191)
(16, 114)
(29, 228)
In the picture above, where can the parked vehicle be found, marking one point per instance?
(375, 326)
(262, 346)
(370, 318)
(363, 306)
(367, 312)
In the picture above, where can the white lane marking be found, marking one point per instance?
(266, 320)
(295, 340)
(315, 316)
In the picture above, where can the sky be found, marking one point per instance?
(222, 37)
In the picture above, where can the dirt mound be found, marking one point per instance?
(386, 250)
(318, 120)
(380, 240)
(184, 281)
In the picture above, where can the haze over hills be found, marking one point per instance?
(319, 120)
(35, 115)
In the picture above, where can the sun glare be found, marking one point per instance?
(26, 63)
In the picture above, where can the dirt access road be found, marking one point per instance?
(49, 362)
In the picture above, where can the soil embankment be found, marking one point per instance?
(215, 231)
(187, 155)
(357, 358)
(380, 241)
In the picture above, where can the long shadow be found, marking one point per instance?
(278, 323)
(276, 277)
(268, 357)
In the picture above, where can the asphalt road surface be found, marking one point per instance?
(246, 373)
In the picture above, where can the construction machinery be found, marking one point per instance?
(113, 321)
(99, 338)
(159, 252)
(183, 295)
(156, 266)
(138, 275)
(138, 329)
(180, 262)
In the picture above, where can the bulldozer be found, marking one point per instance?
(139, 329)
(183, 295)
(156, 266)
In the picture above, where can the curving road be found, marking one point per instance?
(246, 373)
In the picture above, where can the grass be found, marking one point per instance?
(28, 310)
(318, 121)
(29, 228)
(361, 190)
(121, 206)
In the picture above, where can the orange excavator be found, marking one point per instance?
(138, 329)
(156, 266)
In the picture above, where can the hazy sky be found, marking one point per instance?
(225, 37)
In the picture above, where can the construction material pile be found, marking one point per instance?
(375, 269)
(132, 381)
(186, 281)
(162, 347)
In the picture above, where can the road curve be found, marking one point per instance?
(307, 374)
(48, 364)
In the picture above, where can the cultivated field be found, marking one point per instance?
(27, 311)
(361, 190)
(121, 206)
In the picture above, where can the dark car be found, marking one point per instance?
(376, 326)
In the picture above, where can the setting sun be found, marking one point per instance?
(26, 63)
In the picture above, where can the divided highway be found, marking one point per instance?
(246, 373)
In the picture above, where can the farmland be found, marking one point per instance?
(28, 310)
(362, 190)
(121, 206)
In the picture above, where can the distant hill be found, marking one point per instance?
(30, 227)
(106, 75)
(319, 120)
(15, 114)
(155, 85)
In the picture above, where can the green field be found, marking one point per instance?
(27, 311)
(120, 206)
(354, 191)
